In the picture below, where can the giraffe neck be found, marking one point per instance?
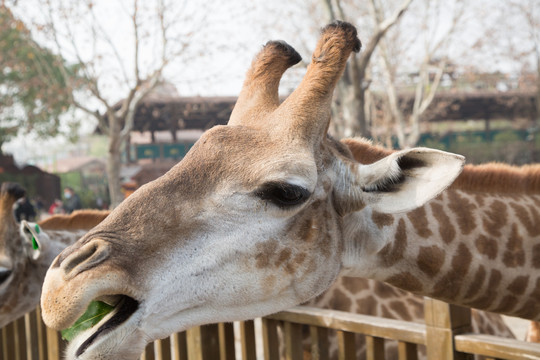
(29, 279)
(472, 249)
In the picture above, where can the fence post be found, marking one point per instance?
(443, 321)
(203, 342)
(247, 336)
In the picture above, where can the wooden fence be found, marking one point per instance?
(446, 335)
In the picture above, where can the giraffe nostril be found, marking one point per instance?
(85, 257)
(4, 274)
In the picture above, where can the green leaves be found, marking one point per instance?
(93, 315)
(35, 83)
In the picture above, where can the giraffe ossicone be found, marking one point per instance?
(255, 219)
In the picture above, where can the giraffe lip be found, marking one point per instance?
(124, 308)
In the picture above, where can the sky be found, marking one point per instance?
(223, 37)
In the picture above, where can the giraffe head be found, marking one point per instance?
(17, 258)
(247, 224)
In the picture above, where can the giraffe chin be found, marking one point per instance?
(121, 320)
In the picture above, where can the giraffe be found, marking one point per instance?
(60, 230)
(375, 298)
(370, 297)
(266, 212)
(22, 265)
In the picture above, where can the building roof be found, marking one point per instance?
(76, 163)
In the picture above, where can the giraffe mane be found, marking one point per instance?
(78, 220)
(498, 177)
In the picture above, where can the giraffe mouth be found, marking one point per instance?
(124, 308)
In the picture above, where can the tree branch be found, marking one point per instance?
(382, 28)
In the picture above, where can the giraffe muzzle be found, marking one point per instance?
(84, 258)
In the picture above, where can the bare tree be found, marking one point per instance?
(431, 67)
(527, 14)
(155, 34)
(350, 110)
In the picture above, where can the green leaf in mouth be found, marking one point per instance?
(93, 315)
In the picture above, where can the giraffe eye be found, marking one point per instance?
(4, 274)
(283, 194)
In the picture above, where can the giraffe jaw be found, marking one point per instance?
(119, 319)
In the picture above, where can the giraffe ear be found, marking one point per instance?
(401, 181)
(32, 234)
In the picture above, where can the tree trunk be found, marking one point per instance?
(114, 163)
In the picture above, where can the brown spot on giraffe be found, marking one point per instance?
(519, 285)
(490, 293)
(477, 282)
(536, 256)
(464, 210)
(461, 261)
(292, 266)
(265, 251)
(269, 281)
(386, 313)
(495, 218)
(507, 303)
(446, 229)
(531, 306)
(393, 251)
(536, 201)
(367, 303)
(486, 246)
(533, 227)
(353, 285)
(399, 308)
(307, 230)
(382, 220)
(405, 280)
(384, 290)
(430, 259)
(528, 309)
(283, 256)
(514, 254)
(340, 301)
(420, 222)
(479, 198)
(417, 306)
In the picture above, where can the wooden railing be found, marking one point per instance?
(446, 335)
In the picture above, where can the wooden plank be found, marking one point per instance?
(292, 334)
(179, 346)
(493, 346)
(8, 341)
(194, 346)
(363, 324)
(226, 341)
(149, 352)
(158, 349)
(270, 339)
(31, 338)
(247, 337)
(210, 341)
(203, 342)
(19, 339)
(407, 351)
(319, 343)
(374, 348)
(3, 350)
(346, 345)
(162, 349)
(41, 335)
(53, 344)
(443, 321)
